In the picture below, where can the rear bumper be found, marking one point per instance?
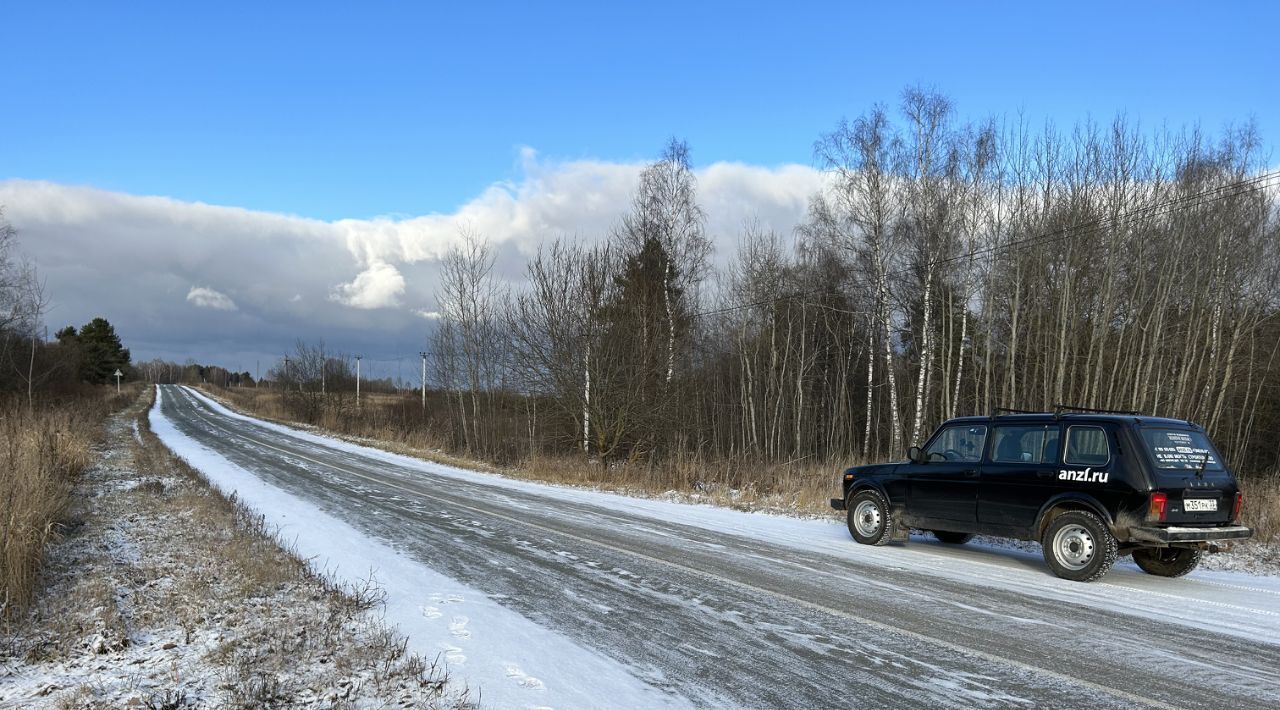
(1176, 534)
(837, 503)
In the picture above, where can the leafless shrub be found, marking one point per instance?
(250, 689)
(168, 699)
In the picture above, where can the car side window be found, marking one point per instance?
(1025, 444)
(958, 443)
(1087, 446)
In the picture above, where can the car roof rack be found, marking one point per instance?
(1006, 410)
(1058, 409)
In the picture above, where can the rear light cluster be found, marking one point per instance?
(1235, 510)
(1157, 506)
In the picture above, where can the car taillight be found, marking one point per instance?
(1157, 505)
(1235, 510)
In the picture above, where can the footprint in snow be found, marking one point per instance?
(523, 679)
(458, 627)
(431, 612)
(453, 655)
(446, 598)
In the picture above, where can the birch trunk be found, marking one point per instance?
(926, 356)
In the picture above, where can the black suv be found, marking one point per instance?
(1089, 485)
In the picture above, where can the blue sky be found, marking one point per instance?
(277, 136)
(362, 109)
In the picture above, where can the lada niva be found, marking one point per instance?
(1089, 485)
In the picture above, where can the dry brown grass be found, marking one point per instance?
(42, 450)
(784, 487)
(1262, 506)
(376, 419)
(800, 486)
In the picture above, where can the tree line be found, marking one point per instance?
(32, 365)
(946, 268)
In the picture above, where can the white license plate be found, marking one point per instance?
(1200, 505)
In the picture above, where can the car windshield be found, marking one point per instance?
(1181, 449)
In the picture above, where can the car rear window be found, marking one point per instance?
(1181, 449)
(1087, 446)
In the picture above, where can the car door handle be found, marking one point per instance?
(970, 473)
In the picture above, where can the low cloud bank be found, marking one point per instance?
(170, 273)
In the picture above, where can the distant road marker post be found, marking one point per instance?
(118, 375)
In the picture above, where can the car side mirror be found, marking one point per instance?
(915, 455)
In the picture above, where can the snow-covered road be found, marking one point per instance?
(557, 597)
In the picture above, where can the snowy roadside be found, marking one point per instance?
(163, 593)
(1251, 557)
(516, 663)
(1220, 601)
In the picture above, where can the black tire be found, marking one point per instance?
(952, 538)
(1079, 546)
(869, 518)
(1167, 561)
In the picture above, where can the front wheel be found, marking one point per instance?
(1078, 546)
(869, 521)
(1167, 561)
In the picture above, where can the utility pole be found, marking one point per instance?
(424, 380)
(358, 381)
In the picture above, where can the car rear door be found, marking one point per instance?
(1019, 474)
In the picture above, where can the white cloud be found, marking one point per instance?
(428, 315)
(203, 297)
(379, 286)
(133, 259)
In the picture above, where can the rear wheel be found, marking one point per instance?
(869, 521)
(952, 538)
(1078, 546)
(1167, 561)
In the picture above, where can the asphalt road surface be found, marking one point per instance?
(728, 620)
